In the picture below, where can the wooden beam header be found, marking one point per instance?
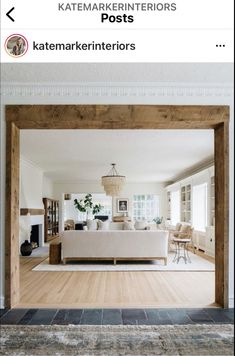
(25, 211)
(116, 116)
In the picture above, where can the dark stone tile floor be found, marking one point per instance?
(116, 316)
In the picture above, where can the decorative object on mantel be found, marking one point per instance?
(67, 196)
(26, 248)
(113, 182)
(158, 221)
(87, 206)
(122, 205)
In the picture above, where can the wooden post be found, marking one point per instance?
(221, 213)
(12, 277)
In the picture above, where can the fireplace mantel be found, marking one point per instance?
(25, 211)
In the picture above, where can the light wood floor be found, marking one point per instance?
(113, 289)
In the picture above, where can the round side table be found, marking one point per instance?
(181, 250)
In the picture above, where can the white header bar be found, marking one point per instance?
(134, 31)
(90, 14)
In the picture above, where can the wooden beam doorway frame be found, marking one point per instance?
(116, 117)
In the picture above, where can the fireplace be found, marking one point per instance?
(34, 237)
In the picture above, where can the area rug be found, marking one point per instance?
(197, 264)
(40, 252)
(117, 340)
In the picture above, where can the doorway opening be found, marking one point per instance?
(108, 117)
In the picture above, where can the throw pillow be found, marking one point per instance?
(103, 225)
(91, 225)
(185, 228)
(140, 225)
(128, 225)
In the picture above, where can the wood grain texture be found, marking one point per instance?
(116, 117)
(222, 212)
(12, 285)
(25, 211)
(113, 289)
(55, 253)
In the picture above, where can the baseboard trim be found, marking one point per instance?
(2, 302)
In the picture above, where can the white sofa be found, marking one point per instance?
(114, 245)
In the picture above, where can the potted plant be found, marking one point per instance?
(87, 206)
(158, 221)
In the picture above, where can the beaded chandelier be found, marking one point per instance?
(113, 183)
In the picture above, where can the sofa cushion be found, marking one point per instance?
(128, 225)
(91, 225)
(103, 225)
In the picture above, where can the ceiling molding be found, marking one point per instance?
(198, 168)
(80, 89)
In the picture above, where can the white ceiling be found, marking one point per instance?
(208, 73)
(141, 155)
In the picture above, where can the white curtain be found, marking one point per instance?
(175, 207)
(200, 207)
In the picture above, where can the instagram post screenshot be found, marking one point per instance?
(117, 184)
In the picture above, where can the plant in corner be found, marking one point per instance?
(87, 206)
(158, 221)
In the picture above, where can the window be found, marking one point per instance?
(175, 207)
(200, 207)
(145, 207)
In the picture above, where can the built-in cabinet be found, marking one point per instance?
(210, 229)
(168, 205)
(186, 203)
(212, 201)
(51, 219)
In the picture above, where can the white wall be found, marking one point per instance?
(167, 93)
(47, 187)
(33, 187)
(31, 178)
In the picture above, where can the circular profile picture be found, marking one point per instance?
(16, 45)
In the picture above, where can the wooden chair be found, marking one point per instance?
(185, 232)
(173, 233)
